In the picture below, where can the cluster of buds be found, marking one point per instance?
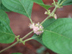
(37, 28)
(58, 4)
(50, 14)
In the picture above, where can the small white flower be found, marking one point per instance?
(46, 12)
(37, 28)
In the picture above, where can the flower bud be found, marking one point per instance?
(46, 12)
(55, 16)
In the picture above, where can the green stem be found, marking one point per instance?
(28, 39)
(49, 16)
(45, 19)
(54, 10)
(27, 35)
(9, 47)
(31, 20)
(54, 1)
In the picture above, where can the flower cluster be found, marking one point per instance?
(37, 28)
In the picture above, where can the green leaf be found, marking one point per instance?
(37, 1)
(48, 22)
(62, 26)
(66, 2)
(0, 1)
(5, 16)
(2, 7)
(57, 42)
(20, 6)
(6, 34)
(40, 2)
(58, 36)
(16, 53)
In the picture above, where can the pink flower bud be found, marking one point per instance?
(37, 28)
(55, 16)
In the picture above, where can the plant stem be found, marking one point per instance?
(31, 20)
(49, 16)
(28, 39)
(9, 47)
(27, 35)
(54, 10)
(59, 1)
(45, 19)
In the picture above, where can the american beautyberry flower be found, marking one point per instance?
(37, 28)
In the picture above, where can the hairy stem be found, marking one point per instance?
(8, 47)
